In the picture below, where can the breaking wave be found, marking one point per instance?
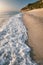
(13, 49)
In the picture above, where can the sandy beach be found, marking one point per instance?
(33, 21)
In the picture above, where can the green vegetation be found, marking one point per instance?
(35, 5)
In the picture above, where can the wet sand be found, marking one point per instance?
(33, 21)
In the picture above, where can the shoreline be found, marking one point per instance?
(33, 21)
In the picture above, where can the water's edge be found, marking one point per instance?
(13, 50)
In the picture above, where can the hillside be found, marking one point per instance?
(35, 5)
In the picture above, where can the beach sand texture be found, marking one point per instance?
(33, 20)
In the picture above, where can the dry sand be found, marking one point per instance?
(33, 20)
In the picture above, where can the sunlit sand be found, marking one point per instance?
(33, 20)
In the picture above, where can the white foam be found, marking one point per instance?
(13, 49)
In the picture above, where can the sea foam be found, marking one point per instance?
(13, 48)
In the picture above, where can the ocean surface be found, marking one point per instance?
(13, 37)
(4, 16)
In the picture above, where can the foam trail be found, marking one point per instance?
(13, 49)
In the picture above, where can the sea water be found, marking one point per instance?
(13, 47)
